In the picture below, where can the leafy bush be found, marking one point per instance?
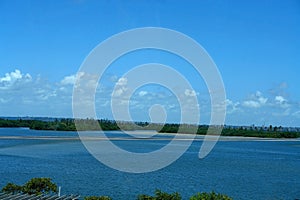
(210, 196)
(145, 197)
(159, 195)
(12, 188)
(39, 186)
(97, 198)
(34, 186)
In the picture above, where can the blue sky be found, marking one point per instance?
(255, 45)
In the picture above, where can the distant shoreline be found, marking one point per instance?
(109, 125)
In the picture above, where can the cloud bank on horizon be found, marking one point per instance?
(21, 94)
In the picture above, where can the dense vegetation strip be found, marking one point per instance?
(110, 125)
(45, 186)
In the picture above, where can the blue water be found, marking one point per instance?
(240, 169)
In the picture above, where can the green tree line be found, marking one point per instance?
(111, 125)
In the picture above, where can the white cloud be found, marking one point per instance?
(143, 93)
(27, 95)
(12, 78)
(70, 80)
(256, 101)
(232, 106)
(171, 106)
(122, 81)
(251, 104)
(190, 93)
(121, 87)
(118, 92)
(262, 100)
(280, 99)
(45, 93)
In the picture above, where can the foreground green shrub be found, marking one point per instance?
(145, 197)
(34, 186)
(40, 186)
(97, 198)
(159, 195)
(210, 196)
(11, 188)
